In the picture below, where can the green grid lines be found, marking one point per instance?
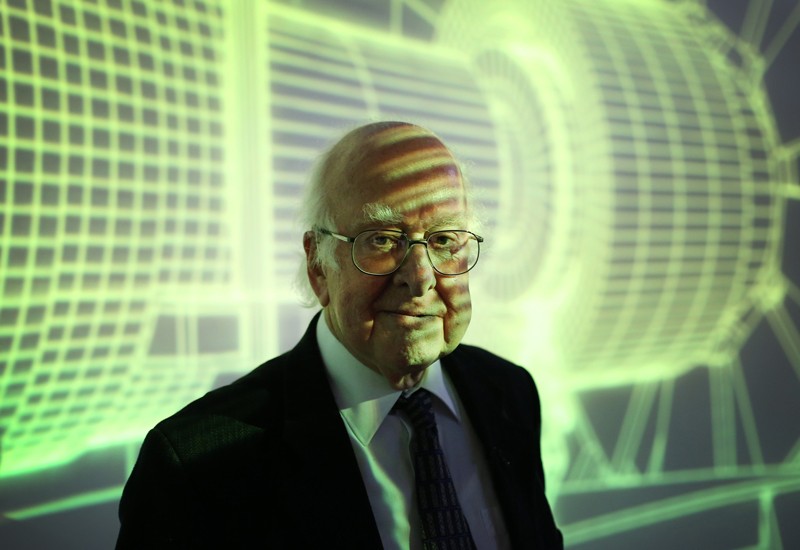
(111, 185)
(633, 140)
(695, 211)
(624, 157)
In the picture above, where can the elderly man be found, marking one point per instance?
(378, 430)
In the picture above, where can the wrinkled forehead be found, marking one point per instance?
(408, 168)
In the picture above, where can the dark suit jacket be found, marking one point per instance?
(266, 462)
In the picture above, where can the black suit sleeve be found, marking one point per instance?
(155, 503)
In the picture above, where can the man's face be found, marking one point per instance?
(398, 324)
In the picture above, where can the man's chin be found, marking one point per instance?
(413, 362)
(407, 381)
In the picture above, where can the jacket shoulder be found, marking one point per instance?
(476, 353)
(473, 357)
(476, 370)
(242, 399)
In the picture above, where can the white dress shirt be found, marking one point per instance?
(380, 440)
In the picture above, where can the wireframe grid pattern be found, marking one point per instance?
(695, 213)
(112, 188)
(663, 213)
(633, 136)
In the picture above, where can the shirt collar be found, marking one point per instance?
(364, 397)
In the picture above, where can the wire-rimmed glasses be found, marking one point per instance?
(383, 251)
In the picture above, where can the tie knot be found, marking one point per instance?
(418, 408)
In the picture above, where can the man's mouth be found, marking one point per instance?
(409, 315)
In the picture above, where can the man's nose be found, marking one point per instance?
(417, 271)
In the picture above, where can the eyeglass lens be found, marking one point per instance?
(381, 252)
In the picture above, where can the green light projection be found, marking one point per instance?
(155, 154)
(114, 204)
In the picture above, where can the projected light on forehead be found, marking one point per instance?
(384, 214)
(399, 165)
(423, 198)
(415, 154)
(407, 168)
(441, 198)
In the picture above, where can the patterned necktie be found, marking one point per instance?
(444, 526)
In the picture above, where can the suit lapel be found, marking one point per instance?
(325, 481)
(487, 407)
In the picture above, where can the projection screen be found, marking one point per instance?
(636, 164)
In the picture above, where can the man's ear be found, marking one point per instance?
(316, 275)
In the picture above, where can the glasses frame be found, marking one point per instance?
(411, 242)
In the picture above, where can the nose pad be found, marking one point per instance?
(422, 252)
(416, 270)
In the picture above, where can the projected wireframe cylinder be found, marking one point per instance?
(625, 170)
(646, 159)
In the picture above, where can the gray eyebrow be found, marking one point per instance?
(386, 215)
(381, 213)
(450, 222)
